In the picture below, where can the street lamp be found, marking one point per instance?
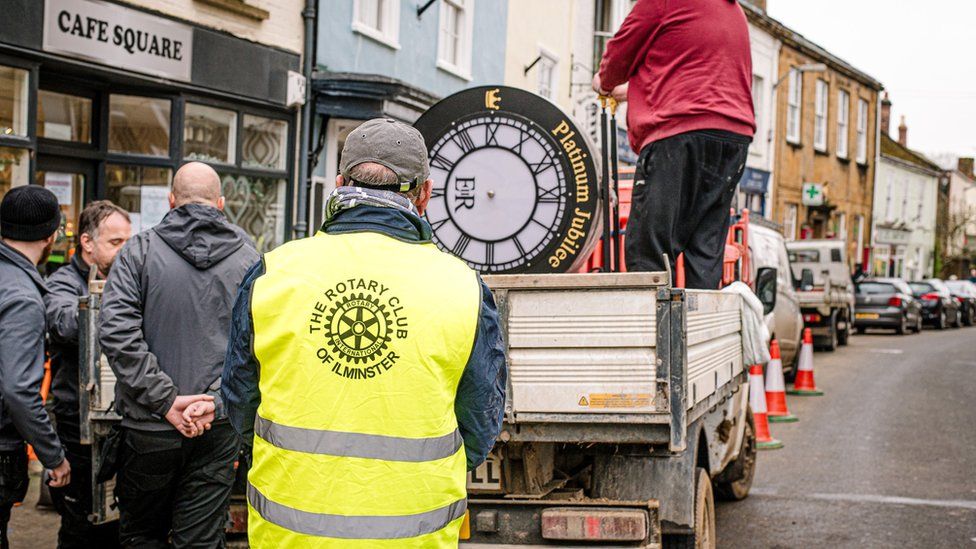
(806, 67)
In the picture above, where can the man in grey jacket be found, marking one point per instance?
(29, 219)
(164, 323)
(103, 228)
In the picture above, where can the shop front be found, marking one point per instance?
(104, 101)
(890, 253)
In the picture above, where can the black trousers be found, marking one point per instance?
(174, 489)
(13, 486)
(683, 190)
(74, 501)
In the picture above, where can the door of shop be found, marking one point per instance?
(72, 180)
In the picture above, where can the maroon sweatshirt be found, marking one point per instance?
(689, 66)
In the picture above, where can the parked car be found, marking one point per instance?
(886, 303)
(768, 250)
(938, 306)
(826, 292)
(964, 292)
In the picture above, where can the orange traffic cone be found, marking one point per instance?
(757, 400)
(804, 384)
(776, 388)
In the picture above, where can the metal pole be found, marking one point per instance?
(616, 186)
(605, 185)
(301, 182)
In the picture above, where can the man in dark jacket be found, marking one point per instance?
(687, 68)
(29, 219)
(164, 324)
(103, 228)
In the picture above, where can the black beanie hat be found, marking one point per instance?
(29, 213)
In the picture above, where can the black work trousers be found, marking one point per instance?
(173, 489)
(74, 501)
(13, 486)
(683, 190)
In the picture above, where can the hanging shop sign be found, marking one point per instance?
(118, 36)
(515, 182)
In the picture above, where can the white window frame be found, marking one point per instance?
(859, 224)
(794, 106)
(789, 221)
(841, 227)
(862, 131)
(821, 107)
(758, 91)
(550, 60)
(461, 69)
(843, 123)
(389, 33)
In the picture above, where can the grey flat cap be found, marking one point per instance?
(393, 144)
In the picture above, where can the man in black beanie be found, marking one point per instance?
(29, 219)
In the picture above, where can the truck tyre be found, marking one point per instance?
(742, 470)
(704, 535)
(845, 334)
(830, 343)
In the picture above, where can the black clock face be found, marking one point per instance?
(514, 182)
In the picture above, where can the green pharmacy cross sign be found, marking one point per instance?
(813, 194)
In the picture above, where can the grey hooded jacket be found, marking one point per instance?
(22, 415)
(166, 311)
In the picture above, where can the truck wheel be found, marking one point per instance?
(830, 343)
(845, 334)
(742, 470)
(704, 535)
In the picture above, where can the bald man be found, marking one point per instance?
(164, 323)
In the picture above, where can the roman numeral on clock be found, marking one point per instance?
(441, 163)
(542, 166)
(490, 253)
(461, 245)
(490, 134)
(463, 140)
(549, 196)
(523, 137)
(437, 192)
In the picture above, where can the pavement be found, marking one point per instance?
(886, 458)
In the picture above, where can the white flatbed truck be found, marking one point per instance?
(627, 401)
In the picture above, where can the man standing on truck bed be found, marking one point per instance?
(688, 69)
(365, 365)
(103, 228)
(164, 323)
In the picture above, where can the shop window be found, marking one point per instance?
(143, 191)
(454, 37)
(264, 143)
(14, 168)
(69, 188)
(209, 134)
(64, 117)
(14, 93)
(138, 125)
(378, 19)
(257, 205)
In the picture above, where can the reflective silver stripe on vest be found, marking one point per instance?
(354, 527)
(339, 443)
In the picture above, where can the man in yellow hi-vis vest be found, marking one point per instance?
(366, 365)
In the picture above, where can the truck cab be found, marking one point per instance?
(826, 291)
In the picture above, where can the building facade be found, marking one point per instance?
(386, 58)
(107, 99)
(957, 230)
(904, 214)
(757, 183)
(825, 142)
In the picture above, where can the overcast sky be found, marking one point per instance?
(921, 51)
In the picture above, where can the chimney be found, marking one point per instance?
(966, 167)
(886, 115)
(903, 132)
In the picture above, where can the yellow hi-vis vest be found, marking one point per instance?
(361, 340)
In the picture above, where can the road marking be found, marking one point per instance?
(887, 351)
(871, 498)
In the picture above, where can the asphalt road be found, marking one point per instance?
(886, 458)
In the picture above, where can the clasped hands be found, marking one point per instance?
(192, 415)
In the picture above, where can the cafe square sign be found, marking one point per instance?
(119, 37)
(813, 194)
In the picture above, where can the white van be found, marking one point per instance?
(768, 249)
